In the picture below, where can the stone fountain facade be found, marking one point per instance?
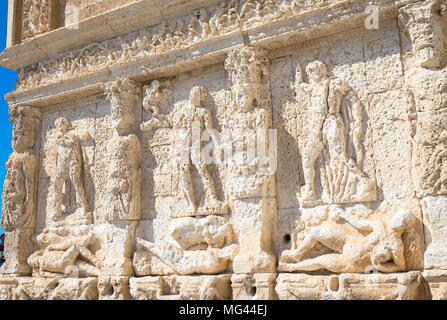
(206, 149)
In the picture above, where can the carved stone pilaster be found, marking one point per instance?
(20, 190)
(423, 26)
(250, 182)
(123, 202)
(423, 32)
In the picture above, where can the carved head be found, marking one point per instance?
(123, 95)
(402, 219)
(26, 122)
(316, 71)
(63, 125)
(425, 24)
(248, 70)
(198, 96)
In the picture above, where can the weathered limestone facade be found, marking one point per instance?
(207, 149)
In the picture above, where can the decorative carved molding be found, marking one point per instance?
(160, 40)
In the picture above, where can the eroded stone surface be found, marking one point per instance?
(227, 150)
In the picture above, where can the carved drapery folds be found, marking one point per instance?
(123, 196)
(124, 186)
(381, 249)
(20, 190)
(196, 246)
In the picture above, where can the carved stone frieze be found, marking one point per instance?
(237, 149)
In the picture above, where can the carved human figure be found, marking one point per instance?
(424, 24)
(19, 198)
(204, 22)
(60, 251)
(19, 191)
(26, 123)
(196, 245)
(210, 261)
(193, 115)
(152, 99)
(193, 33)
(195, 234)
(250, 175)
(163, 38)
(124, 185)
(70, 165)
(179, 33)
(248, 70)
(226, 18)
(248, 9)
(332, 127)
(382, 248)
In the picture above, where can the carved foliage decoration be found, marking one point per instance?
(36, 18)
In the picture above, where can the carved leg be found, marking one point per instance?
(327, 236)
(208, 184)
(58, 186)
(87, 269)
(87, 254)
(332, 262)
(68, 259)
(310, 157)
(186, 185)
(76, 177)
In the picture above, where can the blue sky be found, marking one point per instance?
(7, 84)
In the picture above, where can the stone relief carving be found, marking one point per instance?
(19, 195)
(227, 249)
(122, 199)
(249, 180)
(188, 124)
(424, 25)
(399, 286)
(196, 246)
(113, 288)
(124, 186)
(70, 170)
(66, 250)
(36, 18)
(334, 123)
(382, 248)
(212, 22)
(20, 189)
(153, 97)
(181, 288)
